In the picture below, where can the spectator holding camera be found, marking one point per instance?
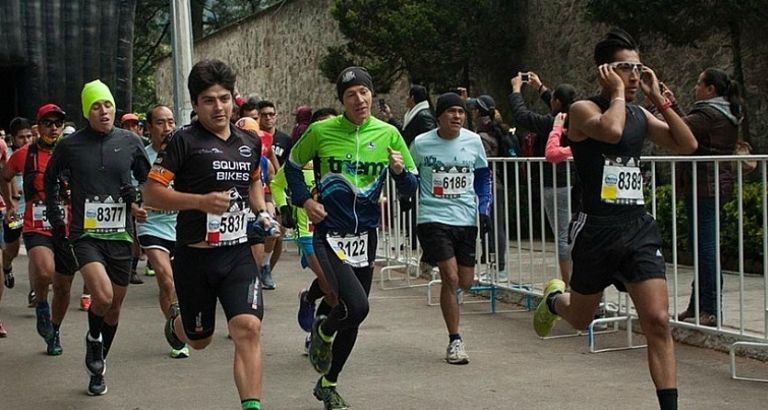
(555, 193)
(714, 121)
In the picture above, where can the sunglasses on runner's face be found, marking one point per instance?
(628, 66)
(49, 123)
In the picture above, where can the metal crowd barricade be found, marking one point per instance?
(529, 258)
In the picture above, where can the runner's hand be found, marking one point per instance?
(139, 213)
(608, 78)
(10, 212)
(215, 202)
(315, 211)
(395, 161)
(560, 119)
(485, 224)
(650, 85)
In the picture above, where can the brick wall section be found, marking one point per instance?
(276, 54)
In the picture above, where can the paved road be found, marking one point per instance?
(397, 363)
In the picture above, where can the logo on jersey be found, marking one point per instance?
(232, 170)
(213, 150)
(245, 151)
(371, 146)
(347, 166)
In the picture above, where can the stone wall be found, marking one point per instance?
(276, 54)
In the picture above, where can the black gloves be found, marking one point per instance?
(485, 224)
(130, 194)
(286, 217)
(406, 203)
(60, 231)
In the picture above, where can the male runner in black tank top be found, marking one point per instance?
(615, 241)
(215, 169)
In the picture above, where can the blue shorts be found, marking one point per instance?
(306, 249)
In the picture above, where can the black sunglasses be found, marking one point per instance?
(48, 123)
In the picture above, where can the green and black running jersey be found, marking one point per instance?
(352, 163)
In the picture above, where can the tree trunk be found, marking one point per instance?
(738, 75)
(197, 19)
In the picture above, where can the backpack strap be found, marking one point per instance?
(30, 171)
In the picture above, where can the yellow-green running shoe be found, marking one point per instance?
(543, 319)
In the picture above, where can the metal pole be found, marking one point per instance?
(181, 43)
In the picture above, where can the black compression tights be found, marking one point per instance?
(352, 286)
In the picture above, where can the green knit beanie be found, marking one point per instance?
(93, 92)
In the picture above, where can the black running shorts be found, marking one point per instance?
(202, 275)
(11, 235)
(614, 250)
(441, 242)
(153, 242)
(114, 255)
(64, 261)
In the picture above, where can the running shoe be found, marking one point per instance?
(135, 279)
(320, 351)
(543, 319)
(10, 281)
(94, 356)
(85, 302)
(54, 344)
(44, 326)
(266, 278)
(31, 299)
(170, 332)
(331, 399)
(306, 314)
(3, 332)
(148, 271)
(182, 353)
(456, 354)
(97, 386)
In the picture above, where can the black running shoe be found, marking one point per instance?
(44, 326)
(94, 356)
(54, 345)
(331, 399)
(97, 386)
(320, 351)
(170, 332)
(10, 281)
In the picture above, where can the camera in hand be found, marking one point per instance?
(382, 104)
(525, 77)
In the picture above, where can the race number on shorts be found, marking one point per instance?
(40, 216)
(350, 248)
(622, 181)
(451, 182)
(104, 216)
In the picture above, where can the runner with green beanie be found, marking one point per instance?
(98, 160)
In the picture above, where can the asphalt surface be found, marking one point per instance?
(398, 362)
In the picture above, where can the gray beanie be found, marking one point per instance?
(351, 76)
(448, 100)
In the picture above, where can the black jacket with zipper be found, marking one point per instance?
(96, 164)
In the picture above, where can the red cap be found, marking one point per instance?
(49, 108)
(129, 117)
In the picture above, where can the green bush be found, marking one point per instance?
(729, 225)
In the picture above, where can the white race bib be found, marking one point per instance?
(105, 217)
(350, 249)
(622, 181)
(227, 229)
(450, 182)
(40, 216)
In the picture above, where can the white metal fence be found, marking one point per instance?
(524, 256)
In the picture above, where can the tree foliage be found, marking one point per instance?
(152, 35)
(686, 23)
(437, 43)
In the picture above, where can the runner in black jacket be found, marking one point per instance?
(98, 161)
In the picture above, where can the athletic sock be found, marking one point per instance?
(314, 292)
(327, 383)
(453, 336)
(95, 323)
(108, 332)
(667, 399)
(551, 301)
(251, 404)
(267, 257)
